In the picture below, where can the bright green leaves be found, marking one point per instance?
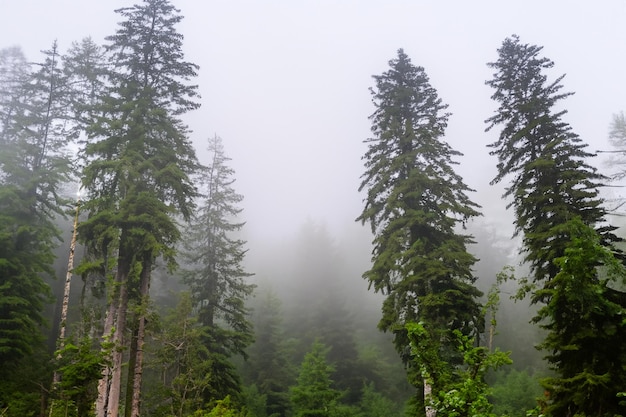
(455, 391)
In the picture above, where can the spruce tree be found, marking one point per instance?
(617, 139)
(550, 180)
(268, 366)
(416, 205)
(34, 166)
(84, 68)
(554, 193)
(138, 166)
(584, 318)
(214, 272)
(14, 71)
(313, 395)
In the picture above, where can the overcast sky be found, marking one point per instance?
(285, 83)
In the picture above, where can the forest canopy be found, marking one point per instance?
(141, 295)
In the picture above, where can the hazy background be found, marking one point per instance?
(285, 84)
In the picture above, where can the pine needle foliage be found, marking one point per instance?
(416, 205)
(560, 216)
(214, 272)
(551, 182)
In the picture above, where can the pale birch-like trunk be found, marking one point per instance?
(428, 394)
(66, 296)
(103, 383)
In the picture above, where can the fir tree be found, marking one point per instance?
(215, 275)
(268, 367)
(415, 205)
(138, 166)
(313, 395)
(550, 180)
(14, 71)
(34, 165)
(555, 196)
(584, 317)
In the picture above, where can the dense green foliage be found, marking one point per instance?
(313, 394)
(585, 322)
(269, 367)
(551, 181)
(514, 392)
(110, 117)
(555, 196)
(137, 174)
(34, 166)
(460, 392)
(415, 202)
(178, 363)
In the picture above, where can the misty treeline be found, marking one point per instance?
(157, 314)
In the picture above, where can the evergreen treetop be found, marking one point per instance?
(415, 205)
(551, 180)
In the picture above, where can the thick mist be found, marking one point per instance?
(286, 87)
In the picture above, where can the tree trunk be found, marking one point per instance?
(428, 394)
(66, 296)
(115, 387)
(56, 377)
(146, 273)
(104, 382)
(107, 403)
(132, 358)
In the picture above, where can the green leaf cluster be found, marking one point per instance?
(455, 391)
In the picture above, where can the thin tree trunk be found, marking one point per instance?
(105, 380)
(132, 359)
(56, 376)
(428, 394)
(66, 296)
(146, 273)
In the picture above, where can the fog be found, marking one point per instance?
(285, 84)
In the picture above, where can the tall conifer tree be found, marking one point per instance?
(416, 205)
(14, 71)
(34, 165)
(313, 394)
(268, 367)
(215, 275)
(554, 193)
(550, 179)
(138, 166)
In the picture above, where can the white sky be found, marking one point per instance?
(285, 83)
